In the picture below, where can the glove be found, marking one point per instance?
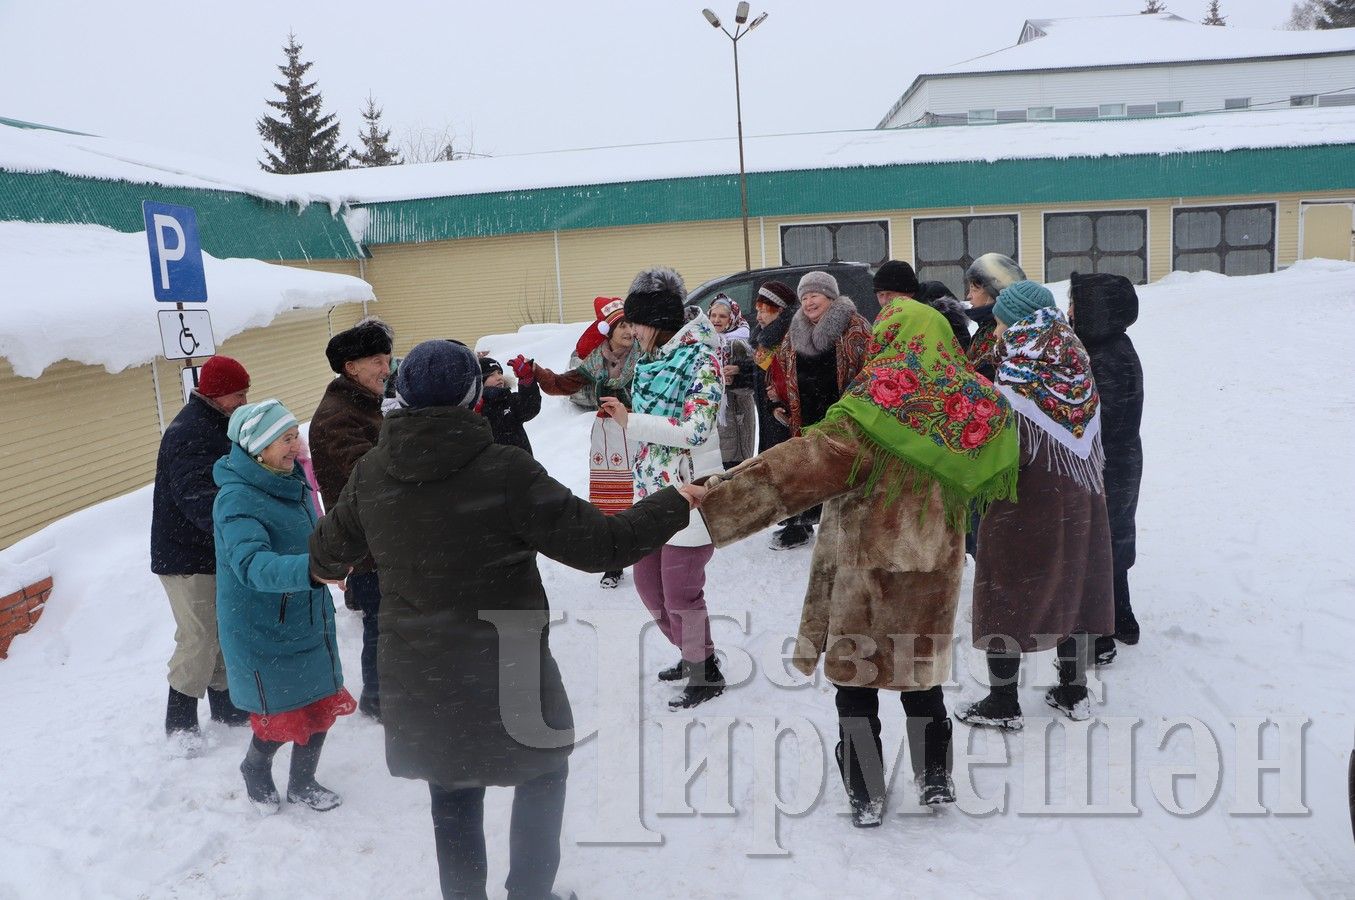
(522, 368)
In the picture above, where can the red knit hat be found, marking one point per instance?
(609, 311)
(220, 376)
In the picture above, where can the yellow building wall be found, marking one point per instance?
(78, 435)
(603, 261)
(71, 438)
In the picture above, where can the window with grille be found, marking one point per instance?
(1233, 240)
(830, 242)
(1113, 242)
(944, 248)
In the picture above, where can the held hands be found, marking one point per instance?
(694, 493)
(523, 369)
(340, 583)
(616, 409)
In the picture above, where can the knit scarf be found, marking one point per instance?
(663, 381)
(928, 416)
(767, 338)
(615, 360)
(1046, 375)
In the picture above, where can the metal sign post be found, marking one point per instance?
(178, 277)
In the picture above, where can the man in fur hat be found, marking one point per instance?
(345, 426)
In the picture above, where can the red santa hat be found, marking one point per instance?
(609, 311)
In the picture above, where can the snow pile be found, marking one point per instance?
(1137, 39)
(841, 150)
(1242, 588)
(84, 292)
(40, 149)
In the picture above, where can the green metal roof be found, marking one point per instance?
(231, 224)
(861, 189)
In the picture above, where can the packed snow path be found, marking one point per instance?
(1242, 588)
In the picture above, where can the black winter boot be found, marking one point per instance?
(792, 536)
(223, 710)
(258, 771)
(1105, 651)
(1001, 708)
(704, 682)
(676, 672)
(611, 579)
(865, 785)
(181, 713)
(301, 785)
(1070, 696)
(930, 752)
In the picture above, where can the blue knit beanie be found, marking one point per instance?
(439, 373)
(256, 425)
(1019, 300)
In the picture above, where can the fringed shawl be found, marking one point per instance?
(928, 416)
(1046, 375)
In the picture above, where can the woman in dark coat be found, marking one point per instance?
(1042, 574)
(1101, 308)
(985, 278)
(824, 349)
(774, 307)
(471, 695)
(936, 295)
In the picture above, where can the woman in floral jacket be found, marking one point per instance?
(913, 441)
(675, 399)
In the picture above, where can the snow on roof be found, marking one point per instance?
(26, 148)
(1139, 39)
(83, 292)
(841, 149)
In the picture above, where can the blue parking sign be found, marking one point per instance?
(176, 253)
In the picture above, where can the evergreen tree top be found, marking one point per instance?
(303, 138)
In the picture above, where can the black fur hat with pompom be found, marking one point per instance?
(656, 298)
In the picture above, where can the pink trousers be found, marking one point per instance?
(671, 582)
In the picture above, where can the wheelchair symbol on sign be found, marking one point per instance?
(187, 343)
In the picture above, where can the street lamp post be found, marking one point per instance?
(741, 27)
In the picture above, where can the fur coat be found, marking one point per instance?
(841, 330)
(885, 578)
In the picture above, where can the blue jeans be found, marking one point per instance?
(366, 590)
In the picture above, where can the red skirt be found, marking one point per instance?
(297, 725)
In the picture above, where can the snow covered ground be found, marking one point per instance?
(1240, 586)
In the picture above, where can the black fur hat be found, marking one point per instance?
(656, 298)
(359, 342)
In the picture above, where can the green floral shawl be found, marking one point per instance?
(929, 416)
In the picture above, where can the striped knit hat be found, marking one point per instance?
(256, 425)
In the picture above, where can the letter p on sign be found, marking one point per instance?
(176, 253)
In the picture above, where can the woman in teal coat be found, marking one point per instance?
(276, 622)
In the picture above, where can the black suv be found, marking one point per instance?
(854, 280)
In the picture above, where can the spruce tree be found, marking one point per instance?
(1152, 7)
(1214, 18)
(1336, 14)
(376, 148)
(305, 140)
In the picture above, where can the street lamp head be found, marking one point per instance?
(741, 14)
(758, 21)
(711, 17)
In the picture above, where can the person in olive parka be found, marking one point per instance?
(1101, 308)
(470, 694)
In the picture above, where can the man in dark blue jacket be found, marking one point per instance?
(182, 552)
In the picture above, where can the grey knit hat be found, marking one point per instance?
(818, 283)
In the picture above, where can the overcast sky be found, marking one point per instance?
(512, 77)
